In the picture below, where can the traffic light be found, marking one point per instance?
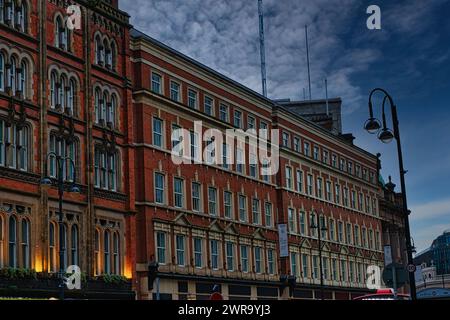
(152, 274)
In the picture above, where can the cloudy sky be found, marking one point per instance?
(410, 57)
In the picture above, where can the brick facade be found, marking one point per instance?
(109, 97)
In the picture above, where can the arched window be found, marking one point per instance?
(53, 90)
(99, 53)
(2, 11)
(97, 105)
(63, 245)
(97, 252)
(116, 253)
(74, 244)
(10, 13)
(62, 93)
(106, 258)
(12, 75)
(71, 97)
(51, 247)
(23, 78)
(113, 55)
(58, 26)
(112, 107)
(2, 69)
(22, 17)
(12, 242)
(106, 53)
(103, 106)
(61, 35)
(25, 243)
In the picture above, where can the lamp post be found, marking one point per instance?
(317, 225)
(59, 182)
(373, 126)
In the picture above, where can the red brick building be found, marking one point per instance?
(110, 97)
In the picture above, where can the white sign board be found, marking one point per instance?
(387, 255)
(283, 236)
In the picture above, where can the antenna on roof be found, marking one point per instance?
(262, 48)
(326, 96)
(307, 58)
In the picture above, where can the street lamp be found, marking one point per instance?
(59, 182)
(386, 136)
(317, 225)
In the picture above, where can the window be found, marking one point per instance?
(316, 153)
(271, 261)
(349, 234)
(51, 247)
(2, 66)
(332, 230)
(268, 212)
(242, 208)
(352, 271)
(159, 188)
(106, 168)
(319, 188)
(315, 267)
(358, 170)
(240, 160)
(342, 165)
(323, 228)
(291, 221)
(174, 91)
(350, 167)
(226, 156)
(364, 174)
(12, 242)
(258, 260)
(156, 83)
(289, 177)
(74, 245)
(214, 254)
(285, 139)
(253, 166)
(223, 113)
(356, 231)
(62, 148)
(230, 255)
(344, 271)
(328, 191)
(341, 232)
(299, 181)
(251, 122)
(106, 253)
(116, 253)
(325, 268)
(238, 119)
(345, 197)
(180, 248)
(177, 139)
(192, 99)
(360, 202)
(302, 223)
(297, 144)
(310, 185)
(377, 241)
(293, 264)
(25, 244)
(198, 258)
(353, 199)
(256, 212)
(99, 51)
(196, 187)
(305, 266)
(313, 223)
(178, 193)
(337, 194)
(157, 132)
(334, 269)
(244, 259)
(209, 106)
(61, 35)
(212, 201)
(306, 149)
(194, 146)
(364, 237)
(334, 161)
(14, 146)
(228, 198)
(325, 157)
(161, 247)
(371, 243)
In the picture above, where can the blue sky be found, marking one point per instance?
(409, 57)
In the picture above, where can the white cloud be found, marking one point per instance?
(424, 236)
(431, 210)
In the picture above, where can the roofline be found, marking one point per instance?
(286, 102)
(141, 35)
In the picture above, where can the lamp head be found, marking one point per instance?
(372, 125)
(386, 136)
(46, 181)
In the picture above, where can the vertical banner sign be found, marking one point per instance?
(387, 255)
(283, 236)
